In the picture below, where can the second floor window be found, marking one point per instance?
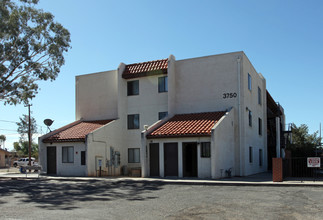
(250, 118)
(259, 126)
(163, 84)
(133, 87)
(133, 121)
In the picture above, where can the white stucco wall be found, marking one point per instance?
(147, 104)
(202, 82)
(96, 96)
(251, 135)
(99, 143)
(203, 164)
(223, 146)
(64, 169)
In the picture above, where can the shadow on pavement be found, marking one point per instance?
(65, 194)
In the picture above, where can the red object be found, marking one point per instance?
(196, 124)
(75, 132)
(146, 68)
(277, 169)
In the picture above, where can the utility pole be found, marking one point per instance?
(29, 135)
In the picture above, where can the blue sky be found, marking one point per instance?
(282, 39)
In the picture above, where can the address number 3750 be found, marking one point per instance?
(229, 95)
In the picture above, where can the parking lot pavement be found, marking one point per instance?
(101, 199)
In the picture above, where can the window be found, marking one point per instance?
(259, 126)
(133, 121)
(162, 115)
(250, 118)
(162, 84)
(205, 149)
(259, 96)
(133, 87)
(260, 157)
(250, 155)
(249, 82)
(68, 154)
(83, 161)
(134, 155)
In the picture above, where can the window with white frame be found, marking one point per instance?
(162, 84)
(205, 149)
(133, 121)
(250, 155)
(133, 87)
(134, 155)
(68, 154)
(259, 96)
(249, 82)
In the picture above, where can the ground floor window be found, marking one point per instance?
(205, 149)
(134, 155)
(260, 157)
(250, 155)
(68, 154)
(83, 161)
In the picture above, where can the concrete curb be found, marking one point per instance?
(168, 181)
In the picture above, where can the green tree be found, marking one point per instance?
(303, 144)
(23, 127)
(22, 146)
(32, 47)
(2, 140)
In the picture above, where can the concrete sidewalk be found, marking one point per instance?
(261, 179)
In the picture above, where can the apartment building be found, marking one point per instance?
(203, 117)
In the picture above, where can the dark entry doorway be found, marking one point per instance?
(154, 159)
(171, 159)
(190, 159)
(51, 160)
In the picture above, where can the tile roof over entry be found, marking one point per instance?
(146, 68)
(75, 132)
(196, 124)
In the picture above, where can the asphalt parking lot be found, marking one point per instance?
(101, 199)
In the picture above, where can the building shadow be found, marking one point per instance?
(65, 194)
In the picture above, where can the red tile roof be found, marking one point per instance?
(75, 132)
(196, 124)
(146, 68)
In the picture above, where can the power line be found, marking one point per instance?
(7, 130)
(8, 121)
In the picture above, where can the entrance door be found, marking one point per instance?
(190, 159)
(154, 159)
(51, 160)
(171, 159)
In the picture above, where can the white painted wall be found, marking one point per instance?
(64, 169)
(147, 104)
(250, 135)
(204, 164)
(96, 96)
(202, 82)
(223, 146)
